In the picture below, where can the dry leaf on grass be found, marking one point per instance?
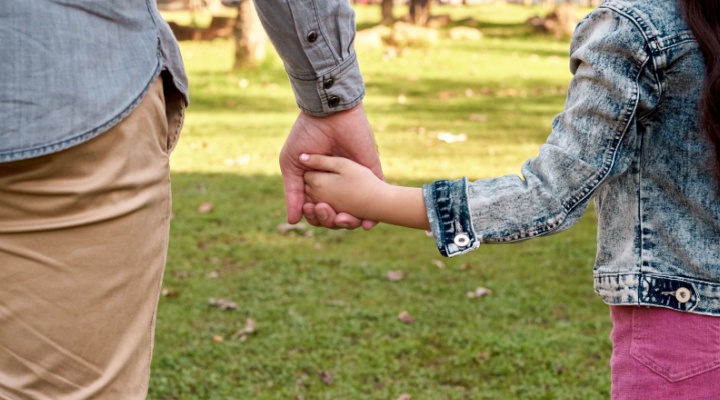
(395, 276)
(223, 304)
(286, 228)
(406, 318)
(479, 292)
(326, 377)
(438, 264)
(249, 328)
(205, 208)
(448, 137)
(167, 292)
(218, 339)
(238, 161)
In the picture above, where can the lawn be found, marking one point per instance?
(325, 315)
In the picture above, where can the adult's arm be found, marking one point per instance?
(315, 41)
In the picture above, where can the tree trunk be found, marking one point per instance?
(387, 12)
(249, 37)
(419, 11)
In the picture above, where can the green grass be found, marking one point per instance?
(321, 299)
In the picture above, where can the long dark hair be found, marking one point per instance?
(703, 16)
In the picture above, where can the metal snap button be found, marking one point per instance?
(683, 295)
(312, 36)
(461, 240)
(328, 83)
(333, 101)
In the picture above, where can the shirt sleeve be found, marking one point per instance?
(594, 140)
(315, 41)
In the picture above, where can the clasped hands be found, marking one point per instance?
(344, 134)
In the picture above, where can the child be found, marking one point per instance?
(638, 134)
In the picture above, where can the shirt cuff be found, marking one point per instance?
(447, 207)
(339, 89)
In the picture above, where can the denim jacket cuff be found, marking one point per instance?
(339, 89)
(449, 214)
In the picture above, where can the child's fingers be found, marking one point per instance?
(322, 163)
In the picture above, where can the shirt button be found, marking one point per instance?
(312, 36)
(328, 83)
(333, 101)
(461, 240)
(683, 295)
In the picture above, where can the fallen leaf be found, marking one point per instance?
(249, 328)
(406, 318)
(285, 228)
(438, 264)
(337, 303)
(395, 276)
(169, 292)
(223, 304)
(448, 137)
(205, 208)
(218, 339)
(479, 292)
(181, 274)
(326, 377)
(238, 161)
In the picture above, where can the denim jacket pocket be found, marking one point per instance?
(675, 348)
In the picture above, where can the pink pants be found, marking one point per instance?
(664, 354)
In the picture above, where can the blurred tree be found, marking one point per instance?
(420, 11)
(248, 34)
(387, 12)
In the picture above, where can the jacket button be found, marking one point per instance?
(333, 101)
(312, 36)
(683, 295)
(328, 83)
(462, 240)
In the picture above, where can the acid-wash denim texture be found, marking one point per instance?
(628, 138)
(72, 69)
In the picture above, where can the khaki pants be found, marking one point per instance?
(83, 243)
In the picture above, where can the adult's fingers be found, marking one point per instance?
(294, 186)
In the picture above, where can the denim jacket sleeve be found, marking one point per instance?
(315, 40)
(592, 141)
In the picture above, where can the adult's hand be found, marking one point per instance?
(344, 134)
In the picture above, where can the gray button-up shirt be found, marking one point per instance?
(71, 69)
(315, 40)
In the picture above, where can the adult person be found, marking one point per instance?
(92, 98)
(640, 134)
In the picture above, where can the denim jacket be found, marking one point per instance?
(71, 69)
(628, 138)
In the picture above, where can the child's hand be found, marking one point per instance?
(344, 184)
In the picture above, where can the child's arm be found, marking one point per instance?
(352, 188)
